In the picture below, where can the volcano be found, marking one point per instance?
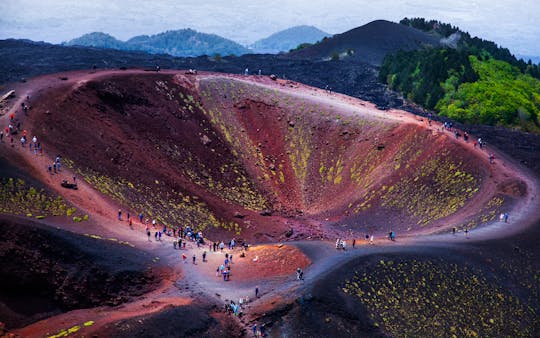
(263, 160)
(255, 156)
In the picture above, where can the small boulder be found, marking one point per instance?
(265, 212)
(239, 215)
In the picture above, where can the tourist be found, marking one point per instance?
(119, 214)
(204, 256)
(299, 274)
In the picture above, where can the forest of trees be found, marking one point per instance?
(475, 82)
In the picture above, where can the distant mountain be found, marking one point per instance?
(186, 42)
(97, 39)
(183, 42)
(369, 43)
(285, 40)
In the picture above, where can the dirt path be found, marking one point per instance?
(187, 279)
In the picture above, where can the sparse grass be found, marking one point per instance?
(19, 198)
(171, 208)
(436, 298)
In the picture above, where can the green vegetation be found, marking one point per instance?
(502, 95)
(476, 46)
(418, 74)
(19, 198)
(471, 80)
(410, 297)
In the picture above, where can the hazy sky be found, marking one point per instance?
(512, 24)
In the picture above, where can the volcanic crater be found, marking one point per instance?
(266, 158)
(254, 158)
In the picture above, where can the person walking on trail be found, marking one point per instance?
(175, 243)
(221, 246)
(371, 239)
(119, 214)
(148, 234)
(299, 274)
(466, 233)
(141, 216)
(184, 258)
(204, 256)
(194, 258)
(256, 292)
(353, 242)
(506, 217)
(254, 329)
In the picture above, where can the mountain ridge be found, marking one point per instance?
(181, 43)
(288, 39)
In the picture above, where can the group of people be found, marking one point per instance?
(341, 244)
(55, 167)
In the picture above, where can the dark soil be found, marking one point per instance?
(47, 271)
(199, 319)
(369, 43)
(324, 309)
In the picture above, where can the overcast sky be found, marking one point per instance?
(512, 24)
